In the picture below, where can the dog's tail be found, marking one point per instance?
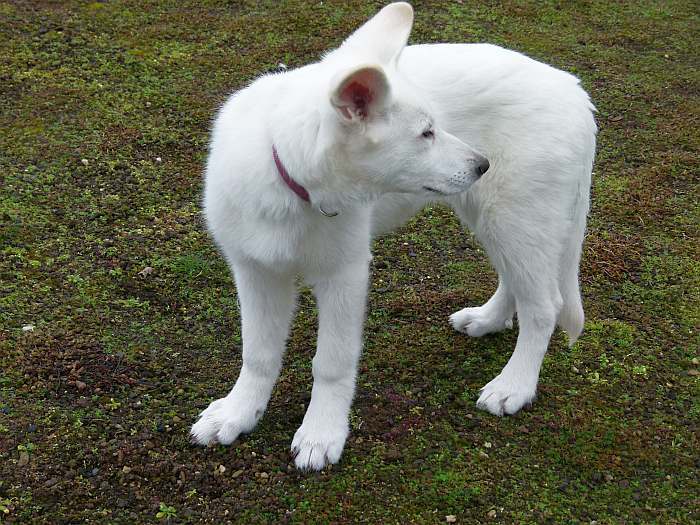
(571, 315)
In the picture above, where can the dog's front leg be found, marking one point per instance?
(341, 304)
(267, 300)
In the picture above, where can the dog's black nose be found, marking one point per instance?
(483, 166)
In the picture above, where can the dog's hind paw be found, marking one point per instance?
(505, 396)
(479, 321)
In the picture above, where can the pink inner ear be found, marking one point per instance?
(359, 96)
(361, 92)
(358, 93)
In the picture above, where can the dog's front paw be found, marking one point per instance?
(223, 421)
(505, 395)
(479, 321)
(317, 444)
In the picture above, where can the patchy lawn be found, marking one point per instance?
(105, 109)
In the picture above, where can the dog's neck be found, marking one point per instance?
(305, 154)
(295, 186)
(287, 178)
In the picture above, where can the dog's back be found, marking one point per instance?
(495, 98)
(535, 124)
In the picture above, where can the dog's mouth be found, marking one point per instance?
(433, 190)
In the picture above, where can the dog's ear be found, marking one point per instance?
(360, 93)
(383, 36)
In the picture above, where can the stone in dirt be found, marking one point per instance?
(23, 459)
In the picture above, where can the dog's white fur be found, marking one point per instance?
(374, 131)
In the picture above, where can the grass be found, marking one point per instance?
(105, 109)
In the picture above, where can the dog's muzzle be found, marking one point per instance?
(482, 166)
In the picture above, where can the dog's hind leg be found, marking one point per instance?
(493, 316)
(525, 247)
(267, 301)
(537, 303)
(531, 276)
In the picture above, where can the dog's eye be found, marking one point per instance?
(428, 133)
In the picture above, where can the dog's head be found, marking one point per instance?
(385, 133)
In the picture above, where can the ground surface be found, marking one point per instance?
(96, 402)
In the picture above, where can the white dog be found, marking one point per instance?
(308, 165)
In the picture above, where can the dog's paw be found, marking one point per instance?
(504, 395)
(316, 445)
(479, 321)
(222, 422)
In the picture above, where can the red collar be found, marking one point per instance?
(287, 178)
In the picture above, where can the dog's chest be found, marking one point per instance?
(301, 245)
